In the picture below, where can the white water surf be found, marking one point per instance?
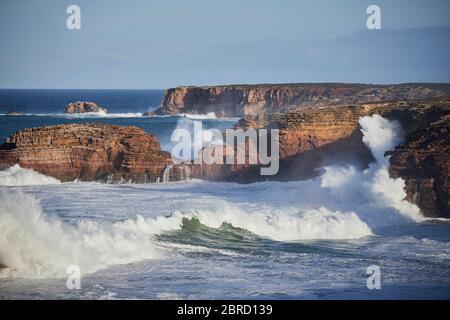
(342, 204)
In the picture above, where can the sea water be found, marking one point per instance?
(195, 239)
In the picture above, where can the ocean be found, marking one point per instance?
(314, 239)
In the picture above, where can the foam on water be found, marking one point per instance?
(88, 115)
(102, 114)
(209, 115)
(342, 204)
(305, 225)
(17, 176)
(33, 244)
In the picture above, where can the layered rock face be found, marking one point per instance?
(84, 107)
(87, 152)
(315, 137)
(423, 161)
(242, 100)
(308, 139)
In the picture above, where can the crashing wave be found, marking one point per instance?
(342, 204)
(209, 115)
(18, 176)
(33, 244)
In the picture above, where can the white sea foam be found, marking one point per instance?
(380, 135)
(209, 115)
(304, 225)
(17, 176)
(378, 199)
(342, 204)
(100, 114)
(35, 245)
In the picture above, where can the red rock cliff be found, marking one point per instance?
(242, 100)
(423, 161)
(87, 152)
(314, 137)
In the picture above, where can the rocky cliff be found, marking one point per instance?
(87, 152)
(242, 100)
(423, 161)
(310, 138)
(315, 137)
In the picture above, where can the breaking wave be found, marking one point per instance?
(33, 244)
(18, 176)
(209, 115)
(343, 203)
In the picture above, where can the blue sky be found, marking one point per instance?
(160, 44)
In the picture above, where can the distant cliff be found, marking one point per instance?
(242, 100)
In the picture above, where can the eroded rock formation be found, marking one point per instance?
(315, 137)
(84, 107)
(242, 100)
(423, 161)
(310, 138)
(87, 152)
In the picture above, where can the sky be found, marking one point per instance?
(156, 44)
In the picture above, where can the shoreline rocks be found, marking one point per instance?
(315, 137)
(423, 161)
(310, 138)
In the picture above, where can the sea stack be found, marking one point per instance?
(84, 107)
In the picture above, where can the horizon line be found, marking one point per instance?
(242, 84)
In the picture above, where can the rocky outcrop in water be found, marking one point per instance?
(243, 100)
(87, 152)
(423, 161)
(315, 137)
(84, 107)
(310, 138)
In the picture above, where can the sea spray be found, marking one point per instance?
(201, 137)
(343, 203)
(377, 198)
(380, 135)
(33, 244)
(17, 176)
